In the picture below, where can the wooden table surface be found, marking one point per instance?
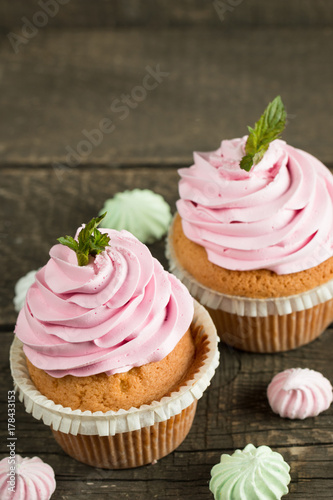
(220, 75)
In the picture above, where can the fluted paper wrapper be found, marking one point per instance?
(261, 325)
(129, 438)
(132, 448)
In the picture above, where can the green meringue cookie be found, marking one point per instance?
(141, 212)
(250, 474)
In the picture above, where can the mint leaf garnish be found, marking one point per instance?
(269, 127)
(69, 242)
(90, 242)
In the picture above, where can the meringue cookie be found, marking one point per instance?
(21, 288)
(299, 393)
(34, 479)
(141, 212)
(250, 474)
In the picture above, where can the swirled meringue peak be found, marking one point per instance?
(277, 216)
(250, 474)
(299, 393)
(141, 212)
(26, 479)
(120, 311)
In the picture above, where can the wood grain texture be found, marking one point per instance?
(233, 412)
(219, 80)
(63, 81)
(40, 205)
(168, 13)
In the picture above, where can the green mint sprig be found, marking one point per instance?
(269, 127)
(90, 242)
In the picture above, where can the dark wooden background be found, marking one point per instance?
(221, 74)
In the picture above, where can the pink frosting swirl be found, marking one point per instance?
(120, 311)
(278, 216)
(32, 479)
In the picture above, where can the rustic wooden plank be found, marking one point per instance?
(213, 84)
(162, 13)
(233, 412)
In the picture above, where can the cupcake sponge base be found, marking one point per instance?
(258, 283)
(140, 385)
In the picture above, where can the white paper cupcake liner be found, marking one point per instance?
(244, 306)
(129, 449)
(111, 423)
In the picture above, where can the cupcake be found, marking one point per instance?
(111, 351)
(253, 238)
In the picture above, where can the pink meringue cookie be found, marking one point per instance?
(34, 479)
(299, 393)
(120, 311)
(278, 216)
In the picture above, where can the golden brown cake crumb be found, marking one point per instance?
(260, 283)
(136, 387)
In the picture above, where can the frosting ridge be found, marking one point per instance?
(278, 216)
(21, 288)
(121, 310)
